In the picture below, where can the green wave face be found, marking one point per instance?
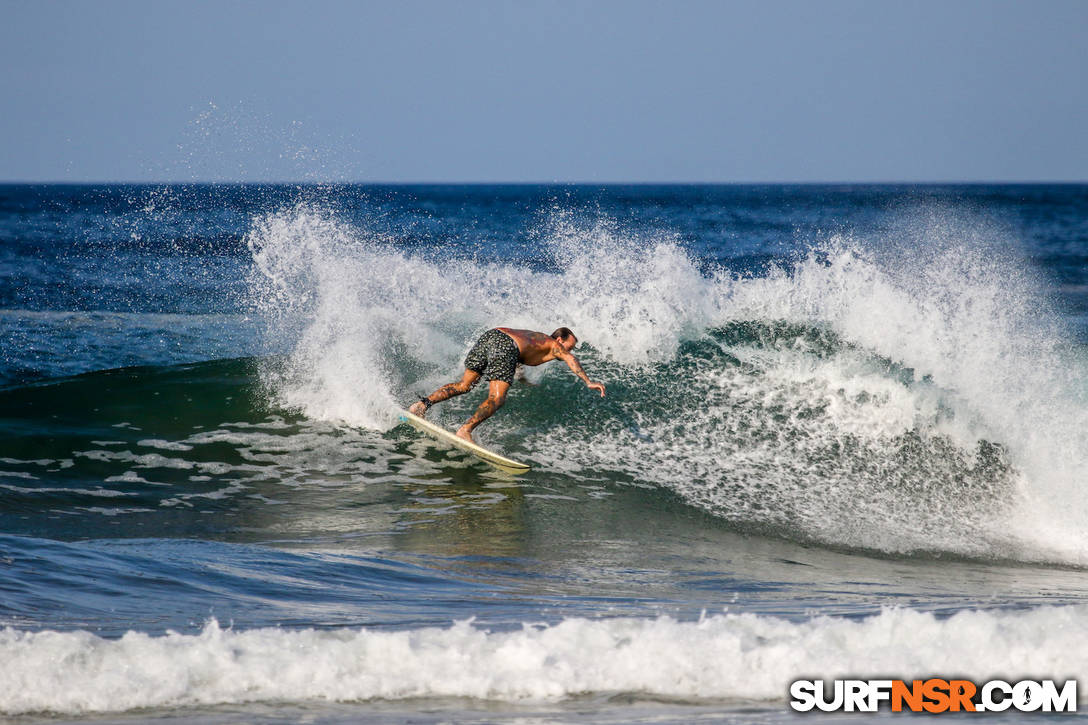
(784, 428)
(772, 427)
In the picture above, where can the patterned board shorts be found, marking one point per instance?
(497, 354)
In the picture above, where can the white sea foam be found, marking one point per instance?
(132, 477)
(164, 445)
(349, 304)
(18, 474)
(984, 334)
(978, 355)
(99, 492)
(741, 657)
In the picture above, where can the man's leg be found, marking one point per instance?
(447, 391)
(496, 396)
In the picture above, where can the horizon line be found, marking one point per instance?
(299, 182)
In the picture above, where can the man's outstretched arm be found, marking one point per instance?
(576, 368)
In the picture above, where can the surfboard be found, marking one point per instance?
(441, 434)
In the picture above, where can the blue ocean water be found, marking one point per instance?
(846, 433)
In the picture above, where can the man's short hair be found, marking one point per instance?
(563, 333)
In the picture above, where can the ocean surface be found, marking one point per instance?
(845, 434)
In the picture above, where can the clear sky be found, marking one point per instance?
(594, 90)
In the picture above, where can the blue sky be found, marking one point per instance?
(593, 91)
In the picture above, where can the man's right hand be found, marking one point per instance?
(596, 386)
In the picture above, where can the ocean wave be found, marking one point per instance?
(921, 406)
(732, 657)
(922, 381)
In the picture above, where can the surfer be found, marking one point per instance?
(498, 352)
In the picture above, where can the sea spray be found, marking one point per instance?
(977, 328)
(929, 391)
(364, 319)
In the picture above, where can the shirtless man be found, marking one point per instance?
(498, 352)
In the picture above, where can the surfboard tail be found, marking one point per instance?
(442, 435)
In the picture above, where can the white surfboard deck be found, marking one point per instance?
(438, 432)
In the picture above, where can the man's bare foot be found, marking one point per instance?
(463, 432)
(418, 408)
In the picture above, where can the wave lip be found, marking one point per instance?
(737, 657)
